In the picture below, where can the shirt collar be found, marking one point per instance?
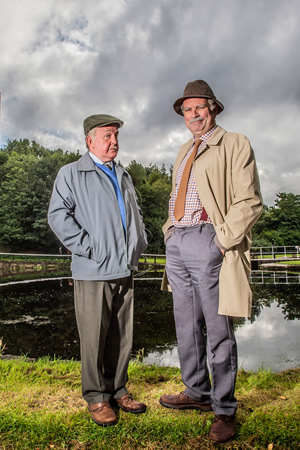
(207, 135)
(97, 160)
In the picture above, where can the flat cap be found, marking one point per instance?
(100, 120)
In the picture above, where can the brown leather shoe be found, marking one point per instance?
(129, 405)
(183, 401)
(102, 414)
(223, 428)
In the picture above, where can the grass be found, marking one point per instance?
(152, 259)
(292, 263)
(274, 256)
(41, 408)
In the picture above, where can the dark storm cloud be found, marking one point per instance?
(132, 59)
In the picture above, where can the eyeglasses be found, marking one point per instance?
(197, 108)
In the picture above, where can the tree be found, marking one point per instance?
(26, 179)
(27, 173)
(279, 224)
(153, 186)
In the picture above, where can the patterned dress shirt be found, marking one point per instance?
(193, 206)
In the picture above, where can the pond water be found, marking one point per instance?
(37, 319)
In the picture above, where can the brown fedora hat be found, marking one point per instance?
(197, 89)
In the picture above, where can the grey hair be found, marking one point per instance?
(92, 134)
(211, 105)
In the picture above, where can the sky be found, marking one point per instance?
(62, 61)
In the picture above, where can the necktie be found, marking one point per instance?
(108, 166)
(180, 200)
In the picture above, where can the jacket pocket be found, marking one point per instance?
(96, 251)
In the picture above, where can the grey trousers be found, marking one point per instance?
(193, 266)
(104, 315)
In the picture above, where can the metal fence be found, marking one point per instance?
(257, 277)
(266, 277)
(275, 252)
(271, 252)
(152, 265)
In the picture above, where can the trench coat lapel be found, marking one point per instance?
(213, 141)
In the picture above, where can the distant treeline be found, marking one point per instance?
(27, 173)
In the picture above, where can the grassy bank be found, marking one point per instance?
(41, 408)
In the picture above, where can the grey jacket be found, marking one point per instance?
(84, 214)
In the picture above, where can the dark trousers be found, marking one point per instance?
(193, 266)
(104, 315)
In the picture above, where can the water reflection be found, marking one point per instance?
(269, 340)
(38, 319)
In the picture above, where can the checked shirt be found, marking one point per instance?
(193, 205)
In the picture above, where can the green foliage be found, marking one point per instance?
(279, 224)
(27, 174)
(153, 186)
(259, 380)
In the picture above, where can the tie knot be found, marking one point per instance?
(198, 143)
(108, 165)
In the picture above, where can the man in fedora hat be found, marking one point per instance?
(95, 214)
(215, 201)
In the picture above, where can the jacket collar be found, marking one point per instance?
(86, 164)
(216, 137)
(213, 141)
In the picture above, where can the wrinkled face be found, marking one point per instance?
(103, 142)
(197, 116)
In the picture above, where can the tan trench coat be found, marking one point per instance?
(228, 185)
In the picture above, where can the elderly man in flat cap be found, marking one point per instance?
(215, 201)
(95, 214)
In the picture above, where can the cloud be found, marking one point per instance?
(62, 61)
(270, 341)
